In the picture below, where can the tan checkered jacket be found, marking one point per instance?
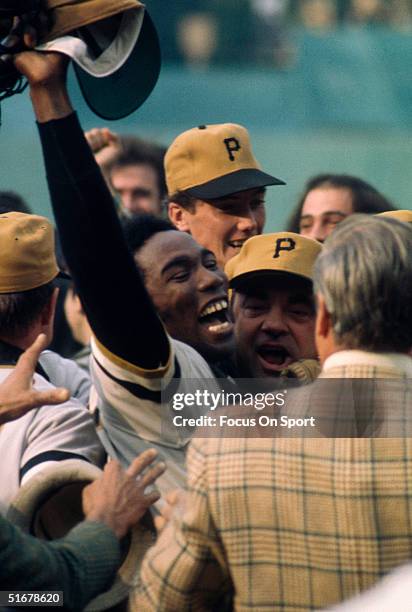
(285, 524)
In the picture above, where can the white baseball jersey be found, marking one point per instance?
(66, 373)
(44, 435)
(132, 413)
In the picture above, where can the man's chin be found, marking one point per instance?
(216, 351)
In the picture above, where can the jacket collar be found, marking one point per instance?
(398, 362)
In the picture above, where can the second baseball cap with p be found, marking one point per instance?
(273, 254)
(27, 256)
(401, 215)
(213, 161)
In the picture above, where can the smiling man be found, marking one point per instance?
(216, 187)
(273, 305)
(138, 358)
(188, 289)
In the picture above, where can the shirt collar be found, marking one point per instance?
(397, 361)
(9, 355)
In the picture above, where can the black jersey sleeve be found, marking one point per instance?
(115, 300)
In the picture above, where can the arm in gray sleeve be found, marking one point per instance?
(82, 564)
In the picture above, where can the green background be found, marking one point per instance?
(344, 106)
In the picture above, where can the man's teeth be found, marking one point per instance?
(221, 327)
(237, 244)
(221, 305)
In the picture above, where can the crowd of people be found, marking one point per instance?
(262, 32)
(172, 290)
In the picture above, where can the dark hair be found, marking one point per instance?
(365, 198)
(18, 311)
(188, 202)
(184, 200)
(135, 151)
(13, 202)
(137, 230)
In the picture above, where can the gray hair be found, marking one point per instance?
(364, 274)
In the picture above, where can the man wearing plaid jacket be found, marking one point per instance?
(299, 523)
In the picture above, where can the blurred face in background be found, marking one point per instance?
(137, 188)
(323, 208)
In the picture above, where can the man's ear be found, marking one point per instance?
(47, 314)
(78, 304)
(323, 319)
(179, 216)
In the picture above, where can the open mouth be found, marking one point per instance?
(274, 358)
(215, 316)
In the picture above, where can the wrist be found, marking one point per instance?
(50, 101)
(108, 521)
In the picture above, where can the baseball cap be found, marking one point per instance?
(212, 161)
(114, 47)
(400, 215)
(279, 253)
(50, 504)
(27, 258)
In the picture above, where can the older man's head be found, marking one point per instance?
(363, 280)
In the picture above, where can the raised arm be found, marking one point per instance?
(119, 310)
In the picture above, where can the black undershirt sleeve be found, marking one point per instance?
(117, 305)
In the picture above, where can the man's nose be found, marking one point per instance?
(275, 321)
(317, 231)
(247, 222)
(210, 279)
(127, 200)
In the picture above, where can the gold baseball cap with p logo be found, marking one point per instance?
(279, 253)
(212, 161)
(27, 258)
(400, 215)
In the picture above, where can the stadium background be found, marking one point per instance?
(321, 90)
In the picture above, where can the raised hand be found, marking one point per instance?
(17, 395)
(104, 144)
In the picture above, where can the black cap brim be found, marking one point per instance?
(116, 96)
(247, 278)
(240, 180)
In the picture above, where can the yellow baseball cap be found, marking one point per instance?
(279, 253)
(212, 161)
(401, 215)
(27, 258)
